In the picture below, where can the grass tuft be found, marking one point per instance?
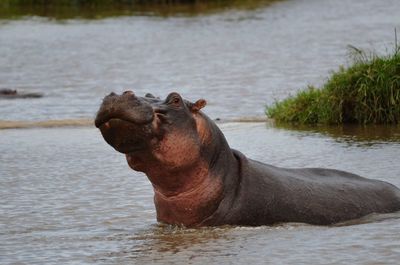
(367, 92)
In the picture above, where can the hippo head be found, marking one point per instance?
(154, 134)
(182, 152)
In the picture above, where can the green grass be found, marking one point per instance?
(367, 92)
(95, 9)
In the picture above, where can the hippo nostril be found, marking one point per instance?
(160, 111)
(130, 92)
(112, 94)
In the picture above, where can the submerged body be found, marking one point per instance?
(199, 180)
(14, 94)
(266, 194)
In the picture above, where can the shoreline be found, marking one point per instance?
(85, 122)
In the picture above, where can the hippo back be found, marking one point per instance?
(266, 194)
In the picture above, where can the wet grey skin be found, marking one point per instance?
(253, 193)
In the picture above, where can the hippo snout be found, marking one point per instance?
(126, 107)
(125, 121)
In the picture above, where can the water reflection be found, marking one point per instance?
(165, 243)
(72, 199)
(351, 134)
(371, 218)
(158, 241)
(174, 239)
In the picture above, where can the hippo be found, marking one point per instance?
(198, 180)
(13, 94)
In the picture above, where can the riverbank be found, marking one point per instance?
(61, 9)
(4, 124)
(7, 124)
(368, 91)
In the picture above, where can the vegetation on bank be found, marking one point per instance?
(367, 92)
(64, 9)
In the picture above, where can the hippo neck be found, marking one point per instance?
(191, 206)
(198, 201)
(215, 161)
(179, 182)
(222, 160)
(226, 164)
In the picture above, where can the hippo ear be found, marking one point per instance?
(198, 105)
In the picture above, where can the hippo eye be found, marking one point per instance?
(174, 100)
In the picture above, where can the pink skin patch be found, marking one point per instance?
(192, 206)
(185, 192)
(178, 150)
(203, 130)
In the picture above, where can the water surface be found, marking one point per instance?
(68, 198)
(238, 60)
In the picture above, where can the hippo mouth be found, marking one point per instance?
(125, 136)
(125, 121)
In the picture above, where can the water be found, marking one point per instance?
(238, 60)
(68, 198)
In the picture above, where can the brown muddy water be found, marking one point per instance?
(238, 60)
(68, 198)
